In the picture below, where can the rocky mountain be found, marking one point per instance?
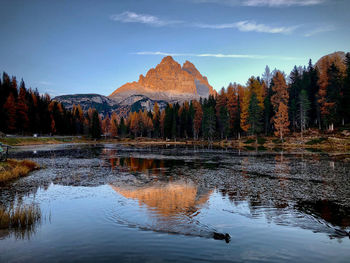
(102, 103)
(168, 81)
(106, 105)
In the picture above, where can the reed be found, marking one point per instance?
(19, 216)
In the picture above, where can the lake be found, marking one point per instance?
(119, 203)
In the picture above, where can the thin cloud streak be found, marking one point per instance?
(214, 55)
(250, 26)
(244, 26)
(45, 83)
(262, 3)
(131, 17)
(320, 30)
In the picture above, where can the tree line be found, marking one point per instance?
(316, 96)
(24, 111)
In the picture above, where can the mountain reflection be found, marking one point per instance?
(168, 199)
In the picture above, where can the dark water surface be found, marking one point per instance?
(156, 204)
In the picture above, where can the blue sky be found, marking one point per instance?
(66, 47)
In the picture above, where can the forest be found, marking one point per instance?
(313, 96)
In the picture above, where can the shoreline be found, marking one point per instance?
(318, 143)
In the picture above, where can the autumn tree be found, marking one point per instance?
(281, 120)
(113, 125)
(254, 86)
(198, 115)
(106, 125)
(10, 112)
(134, 123)
(22, 120)
(328, 65)
(162, 123)
(346, 87)
(279, 101)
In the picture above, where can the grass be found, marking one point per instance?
(316, 141)
(13, 169)
(13, 141)
(19, 216)
(19, 220)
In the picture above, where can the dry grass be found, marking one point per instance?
(13, 169)
(20, 216)
(19, 220)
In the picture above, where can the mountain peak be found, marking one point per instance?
(168, 81)
(168, 60)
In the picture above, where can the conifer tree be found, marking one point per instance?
(303, 111)
(281, 121)
(255, 112)
(10, 111)
(279, 101)
(22, 119)
(95, 125)
(346, 95)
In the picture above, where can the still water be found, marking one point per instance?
(161, 204)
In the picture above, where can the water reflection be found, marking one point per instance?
(168, 200)
(174, 185)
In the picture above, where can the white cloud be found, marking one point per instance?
(215, 55)
(279, 3)
(269, 3)
(250, 26)
(320, 30)
(131, 17)
(244, 26)
(44, 83)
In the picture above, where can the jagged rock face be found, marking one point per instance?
(168, 81)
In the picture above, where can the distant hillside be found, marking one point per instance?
(107, 105)
(101, 103)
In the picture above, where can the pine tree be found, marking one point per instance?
(255, 112)
(209, 123)
(156, 120)
(303, 111)
(95, 126)
(346, 95)
(224, 122)
(198, 116)
(294, 91)
(267, 76)
(22, 119)
(10, 111)
(253, 86)
(122, 127)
